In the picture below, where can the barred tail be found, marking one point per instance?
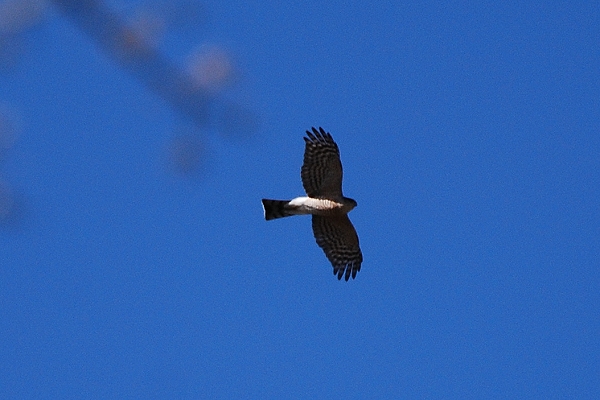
(275, 209)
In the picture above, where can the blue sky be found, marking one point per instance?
(135, 260)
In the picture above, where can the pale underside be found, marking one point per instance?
(324, 207)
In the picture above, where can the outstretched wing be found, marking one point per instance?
(322, 168)
(338, 239)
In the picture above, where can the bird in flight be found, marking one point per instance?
(322, 180)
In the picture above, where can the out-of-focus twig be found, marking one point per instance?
(135, 54)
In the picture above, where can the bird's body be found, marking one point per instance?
(307, 205)
(322, 179)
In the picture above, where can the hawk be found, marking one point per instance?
(322, 180)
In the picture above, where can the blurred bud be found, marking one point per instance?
(142, 34)
(210, 68)
(186, 153)
(19, 15)
(149, 28)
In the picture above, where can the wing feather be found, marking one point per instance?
(322, 168)
(338, 239)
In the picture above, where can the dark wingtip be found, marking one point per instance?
(346, 272)
(339, 272)
(310, 137)
(319, 135)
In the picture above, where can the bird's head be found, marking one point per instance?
(350, 203)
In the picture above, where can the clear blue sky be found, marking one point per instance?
(134, 258)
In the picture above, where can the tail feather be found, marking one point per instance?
(275, 209)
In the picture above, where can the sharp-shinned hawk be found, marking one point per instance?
(322, 180)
